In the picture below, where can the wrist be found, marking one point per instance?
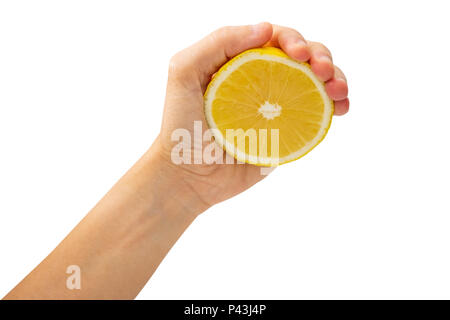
(170, 183)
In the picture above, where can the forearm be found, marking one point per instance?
(121, 241)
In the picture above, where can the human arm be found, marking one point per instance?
(123, 239)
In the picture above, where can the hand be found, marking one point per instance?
(189, 74)
(124, 238)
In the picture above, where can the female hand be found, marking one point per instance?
(189, 74)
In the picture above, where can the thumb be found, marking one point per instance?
(206, 56)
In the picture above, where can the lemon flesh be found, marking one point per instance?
(266, 108)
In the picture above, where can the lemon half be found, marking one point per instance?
(266, 108)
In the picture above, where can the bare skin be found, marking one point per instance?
(123, 239)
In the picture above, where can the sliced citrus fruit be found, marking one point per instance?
(267, 109)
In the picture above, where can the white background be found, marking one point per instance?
(365, 215)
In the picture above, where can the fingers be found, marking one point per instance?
(205, 57)
(291, 42)
(321, 61)
(295, 46)
(336, 87)
(341, 107)
(335, 81)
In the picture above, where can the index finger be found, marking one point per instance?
(291, 42)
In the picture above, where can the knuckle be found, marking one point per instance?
(174, 63)
(287, 32)
(220, 33)
(324, 48)
(223, 31)
(179, 66)
(293, 31)
(320, 49)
